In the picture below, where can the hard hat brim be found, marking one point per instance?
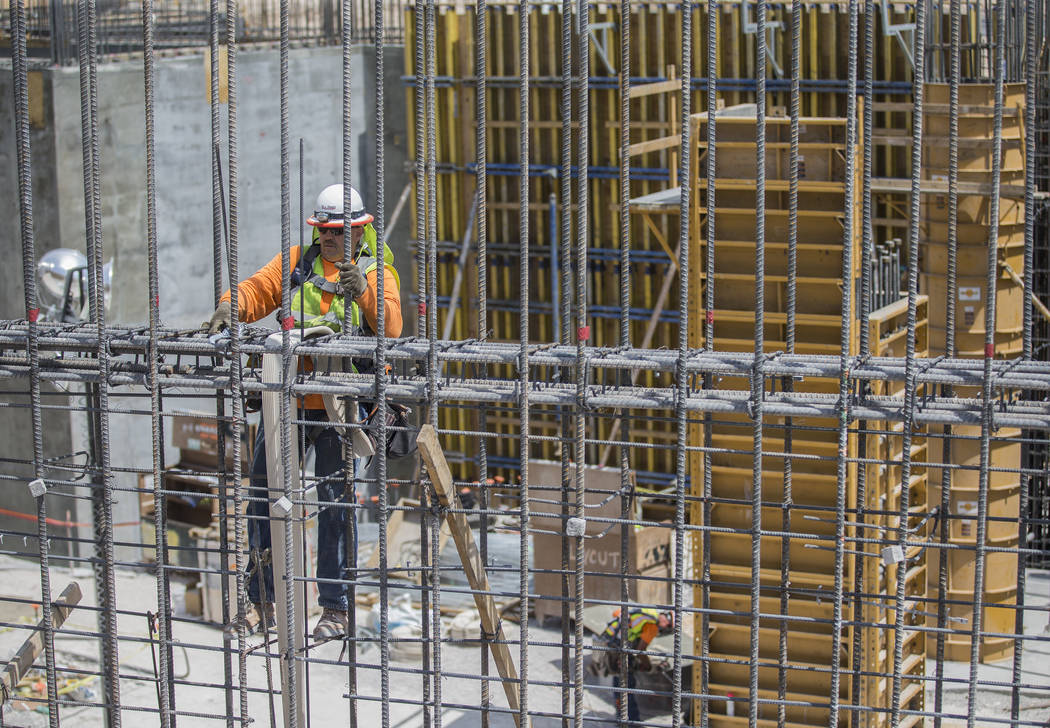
(363, 219)
(313, 221)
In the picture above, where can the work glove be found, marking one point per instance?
(221, 319)
(351, 280)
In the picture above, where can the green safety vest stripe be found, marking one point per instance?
(637, 620)
(307, 298)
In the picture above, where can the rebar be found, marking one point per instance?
(811, 442)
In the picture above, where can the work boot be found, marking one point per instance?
(332, 625)
(253, 620)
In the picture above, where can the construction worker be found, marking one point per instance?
(323, 282)
(642, 628)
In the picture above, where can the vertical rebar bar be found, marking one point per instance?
(23, 151)
(757, 377)
(954, 73)
(164, 676)
(481, 146)
(987, 395)
(523, 344)
(625, 335)
(583, 329)
(711, 42)
(423, 282)
(681, 377)
(102, 497)
(291, 687)
(236, 371)
(568, 243)
(868, 294)
(789, 345)
(432, 329)
(919, 54)
(845, 362)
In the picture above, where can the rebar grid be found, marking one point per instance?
(854, 428)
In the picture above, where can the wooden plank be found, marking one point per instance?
(289, 641)
(473, 567)
(659, 87)
(770, 145)
(906, 107)
(654, 145)
(896, 138)
(32, 648)
(1040, 306)
(750, 244)
(940, 187)
(779, 317)
(776, 185)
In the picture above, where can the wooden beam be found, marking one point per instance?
(473, 567)
(654, 145)
(658, 87)
(940, 187)
(1039, 305)
(31, 649)
(906, 107)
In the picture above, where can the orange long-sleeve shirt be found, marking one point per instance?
(259, 295)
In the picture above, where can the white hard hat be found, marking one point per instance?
(328, 212)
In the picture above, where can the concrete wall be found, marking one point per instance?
(183, 167)
(16, 470)
(45, 191)
(183, 154)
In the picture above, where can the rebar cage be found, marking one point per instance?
(791, 412)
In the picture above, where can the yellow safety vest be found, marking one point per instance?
(637, 619)
(307, 300)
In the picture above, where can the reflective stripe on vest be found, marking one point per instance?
(638, 619)
(307, 299)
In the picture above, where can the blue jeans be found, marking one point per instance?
(331, 520)
(632, 701)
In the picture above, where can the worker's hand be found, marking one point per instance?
(351, 280)
(644, 664)
(221, 319)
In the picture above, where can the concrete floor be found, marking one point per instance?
(197, 663)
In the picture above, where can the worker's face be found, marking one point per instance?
(332, 242)
(665, 623)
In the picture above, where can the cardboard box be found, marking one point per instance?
(602, 556)
(197, 437)
(651, 547)
(601, 499)
(648, 549)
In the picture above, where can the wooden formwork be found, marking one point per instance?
(809, 550)
(655, 54)
(883, 452)
(976, 148)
